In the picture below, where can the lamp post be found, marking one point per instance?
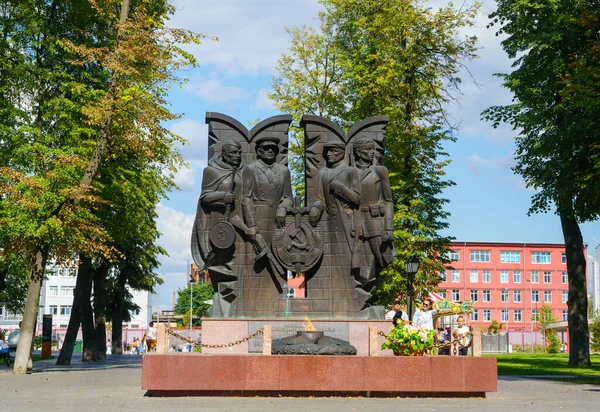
(412, 267)
(191, 293)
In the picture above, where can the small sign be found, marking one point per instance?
(47, 328)
(339, 330)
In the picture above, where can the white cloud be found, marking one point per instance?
(251, 33)
(185, 179)
(499, 162)
(196, 133)
(175, 228)
(263, 101)
(214, 91)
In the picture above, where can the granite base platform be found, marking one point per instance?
(195, 374)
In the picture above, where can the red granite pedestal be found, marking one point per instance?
(194, 374)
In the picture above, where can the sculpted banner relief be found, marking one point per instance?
(250, 232)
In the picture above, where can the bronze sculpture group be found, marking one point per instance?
(250, 232)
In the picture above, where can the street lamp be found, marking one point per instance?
(412, 267)
(188, 274)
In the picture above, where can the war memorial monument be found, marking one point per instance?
(251, 233)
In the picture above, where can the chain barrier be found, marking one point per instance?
(222, 345)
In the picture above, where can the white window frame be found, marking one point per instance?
(487, 295)
(504, 295)
(541, 258)
(517, 315)
(53, 309)
(481, 256)
(487, 315)
(510, 256)
(456, 276)
(474, 276)
(565, 296)
(504, 315)
(474, 316)
(454, 256)
(535, 277)
(547, 294)
(455, 295)
(547, 277)
(516, 296)
(516, 276)
(474, 293)
(563, 258)
(565, 315)
(564, 277)
(535, 299)
(504, 276)
(486, 276)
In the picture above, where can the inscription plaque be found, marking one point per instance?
(338, 330)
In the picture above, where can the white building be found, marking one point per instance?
(57, 299)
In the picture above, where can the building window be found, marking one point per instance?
(504, 315)
(486, 276)
(535, 296)
(510, 257)
(65, 310)
(474, 276)
(516, 296)
(455, 295)
(73, 272)
(516, 276)
(480, 255)
(540, 257)
(563, 258)
(548, 296)
(474, 316)
(535, 277)
(442, 293)
(53, 310)
(548, 316)
(487, 315)
(67, 290)
(565, 296)
(504, 276)
(53, 272)
(475, 295)
(535, 316)
(504, 295)
(565, 278)
(487, 296)
(455, 276)
(565, 315)
(453, 256)
(517, 315)
(547, 277)
(442, 276)
(53, 290)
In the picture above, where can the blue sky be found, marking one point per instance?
(489, 202)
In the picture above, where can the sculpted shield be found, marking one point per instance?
(298, 246)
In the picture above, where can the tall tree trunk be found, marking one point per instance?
(87, 323)
(579, 338)
(30, 313)
(117, 317)
(100, 310)
(83, 281)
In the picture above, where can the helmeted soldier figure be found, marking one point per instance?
(376, 214)
(267, 196)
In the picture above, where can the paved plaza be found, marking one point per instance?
(114, 385)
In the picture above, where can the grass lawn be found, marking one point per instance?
(545, 364)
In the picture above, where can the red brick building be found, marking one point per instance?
(509, 283)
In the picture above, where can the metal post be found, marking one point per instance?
(191, 307)
(411, 279)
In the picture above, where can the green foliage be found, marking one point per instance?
(495, 327)
(200, 294)
(409, 339)
(544, 364)
(552, 341)
(595, 335)
(37, 342)
(397, 58)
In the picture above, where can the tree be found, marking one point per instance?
(550, 335)
(201, 293)
(94, 82)
(495, 327)
(397, 58)
(595, 338)
(554, 44)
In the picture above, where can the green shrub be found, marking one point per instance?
(552, 341)
(595, 338)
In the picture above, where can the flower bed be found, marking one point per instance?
(410, 340)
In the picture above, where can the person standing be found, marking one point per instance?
(108, 347)
(424, 317)
(150, 338)
(462, 333)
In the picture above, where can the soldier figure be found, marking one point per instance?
(267, 197)
(221, 196)
(376, 215)
(338, 192)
